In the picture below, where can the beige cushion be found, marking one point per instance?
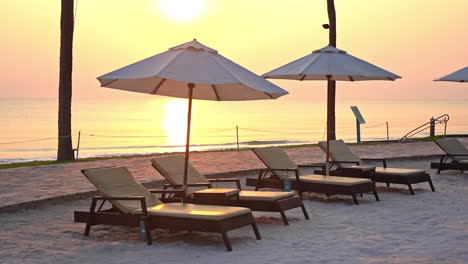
(399, 172)
(217, 190)
(195, 211)
(463, 161)
(263, 196)
(453, 146)
(347, 181)
(276, 158)
(172, 169)
(364, 167)
(119, 182)
(339, 151)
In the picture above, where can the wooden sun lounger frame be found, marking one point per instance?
(267, 178)
(280, 205)
(116, 217)
(452, 165)
(383, 178)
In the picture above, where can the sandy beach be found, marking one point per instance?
(429, 227)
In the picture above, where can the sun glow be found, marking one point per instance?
(181, 10)
(175, 121)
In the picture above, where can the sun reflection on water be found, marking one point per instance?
(175, 121)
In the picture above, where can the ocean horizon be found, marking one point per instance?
(133, 126)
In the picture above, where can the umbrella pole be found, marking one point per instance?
(187, 145)
(327, 167)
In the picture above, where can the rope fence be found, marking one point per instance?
(199, 134)
(237, 132)
(34, 140)
(236, 129)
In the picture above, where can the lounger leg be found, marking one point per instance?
(227, 243)
(430, 183)
(90, 217)
(376, 196)
(285, 219)
(388, 184)
(304, 211)
(410, 189)
(440, 164)
(260, 174)
(149, 239)
(328, 195)
(87, 228)
(355, 199)
(255, 229)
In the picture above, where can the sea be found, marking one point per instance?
(153, 124)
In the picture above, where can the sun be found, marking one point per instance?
(181, 10)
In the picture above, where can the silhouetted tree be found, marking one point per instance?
(331, 132)
(65, 148)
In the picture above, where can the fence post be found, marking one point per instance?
(78, 145)
(432, 127)
(237, 136)
(445, 129)
(388, 137)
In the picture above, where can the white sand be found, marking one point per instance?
(425, 228)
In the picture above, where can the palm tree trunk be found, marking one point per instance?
(65, 148)
(331, 95)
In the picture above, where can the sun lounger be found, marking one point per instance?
(343, 157)
(172, 169)
(136, 206)
(281, 168)
(455, 158)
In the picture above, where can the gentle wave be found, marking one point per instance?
(162, 149)
(256, 142)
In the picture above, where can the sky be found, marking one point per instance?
(419, 40)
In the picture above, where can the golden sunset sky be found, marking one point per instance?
(419, 40)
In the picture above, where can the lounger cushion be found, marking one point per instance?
(172, 169)
(263, 196)
(333, 180)
(392, 171)
(276, 158)
(194, 211)
(339, 151)
(364, 167)
(119, 182)
(453, 146)
(463, 161)
(398, 172)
